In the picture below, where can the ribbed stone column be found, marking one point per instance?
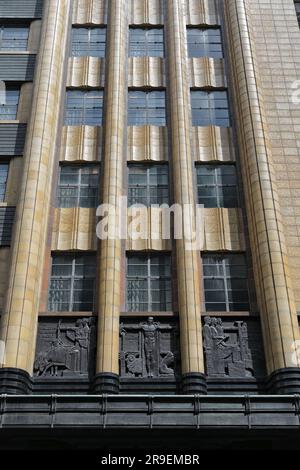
(273, 284)
(114, 160)
(20, 316)
(188, 261)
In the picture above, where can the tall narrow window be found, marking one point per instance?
(148, 184)
(88, 42)
(146, 42)
(9, 109)
(13, 37)
(225, 282)
(84, 107)
(149, 283)
(147, 108)
(217, 185)
(204, 42)
(78, 186)
(72, 283)
(210, 108)
(3, 180)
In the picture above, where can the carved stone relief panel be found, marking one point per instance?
(149, 348)
(233, 348)
(65, 347)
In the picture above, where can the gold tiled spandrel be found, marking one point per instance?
(90, 11)
(146, 12)
(147, 143)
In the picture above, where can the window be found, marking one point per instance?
(217, 185)
(84, 107)
(149, 283)
(72, 283)
(297, 6)
(204, 42)
(147, 108)
(210, 108)
(88, 42)
(146, 42)
(9, 110)
(13, 37)
(3, 180)
(225, 283)
(78, 186)
(148, 184)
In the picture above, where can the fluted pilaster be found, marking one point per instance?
(273, 284)
(188, 261)
(20, 316)
(114, 161)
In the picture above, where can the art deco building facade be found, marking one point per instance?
(187, 102)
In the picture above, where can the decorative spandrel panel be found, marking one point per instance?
(149, 348)
(233, 348)
(65, 347)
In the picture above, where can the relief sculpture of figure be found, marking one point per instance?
(147, 359)
(69, 352)
(222, 356)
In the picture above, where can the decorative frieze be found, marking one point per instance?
(65, 347)
(149, 348)
(232, 348)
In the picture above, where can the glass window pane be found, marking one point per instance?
(14, 37)
(152, 292)
(146, 108)
(84, 107)
(217, 185)
(3, 180)
(225, 283)
(88, 42)
(72, 283)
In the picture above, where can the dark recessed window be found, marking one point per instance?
(225, 282)
(204, 42)
(146, 42)
(88, 42)
(9, 109)
(14, 37)
(78, 186)
(210, 108)
(84, 107)
(147, 108)
(149, 283)
(72, 283)
(297, 6)
(3, 179)
(148, 184)
(217, 185)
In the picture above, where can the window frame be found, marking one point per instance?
(12, 109)
(220, 196)
(167, 279)
(147, 46)
(3, 187)
(210, 113)
(145, 110)
(83, 119)
(206, 44)
(73, 278)
(229, 304)
(86, 48)
(78, 187)
(6, 25)
(148, 197)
